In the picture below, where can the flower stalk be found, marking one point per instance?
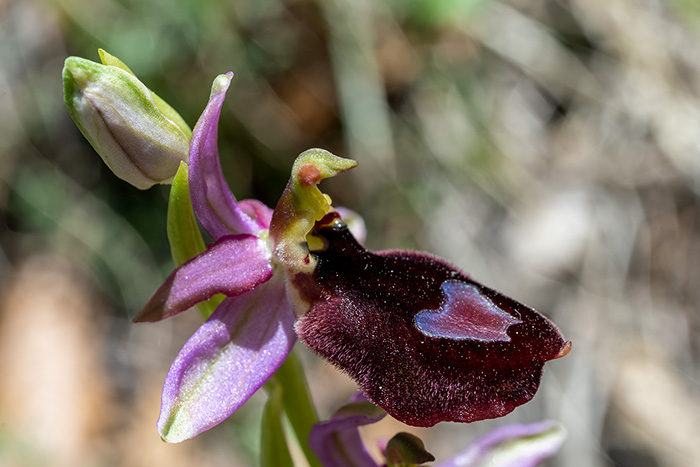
(297, 403)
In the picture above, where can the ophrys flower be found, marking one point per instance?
(423, 340)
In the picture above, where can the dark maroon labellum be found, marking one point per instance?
(423, 340)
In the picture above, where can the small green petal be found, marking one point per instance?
(302, 204)
(110, 60)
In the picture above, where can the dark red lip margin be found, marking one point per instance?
(361, 308)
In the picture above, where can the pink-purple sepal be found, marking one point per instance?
(226, 361)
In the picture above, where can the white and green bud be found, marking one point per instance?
(136, 133)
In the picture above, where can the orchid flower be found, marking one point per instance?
(423, 340)
(337, 443)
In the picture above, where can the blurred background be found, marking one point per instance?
(550, 149)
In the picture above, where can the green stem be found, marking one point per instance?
(297, 403)
(273, 444)
(183, 233)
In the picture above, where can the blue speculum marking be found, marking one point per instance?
(465, 314)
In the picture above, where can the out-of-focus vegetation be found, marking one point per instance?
(551, 149)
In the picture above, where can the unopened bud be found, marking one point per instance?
(137, 134)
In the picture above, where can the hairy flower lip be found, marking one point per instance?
(357, 310)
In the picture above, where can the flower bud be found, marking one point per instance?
(139, 136)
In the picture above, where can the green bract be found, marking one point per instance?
(137, 134)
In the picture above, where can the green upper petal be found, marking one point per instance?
(302, 204)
